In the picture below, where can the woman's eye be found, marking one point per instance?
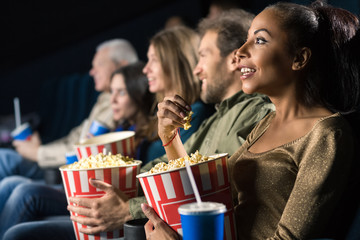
(117, 93)
(260, 40)
(122, 93)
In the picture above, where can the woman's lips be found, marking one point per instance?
(247, 72)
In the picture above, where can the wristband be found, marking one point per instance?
(167, 144)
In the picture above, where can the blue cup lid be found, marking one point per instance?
(20, 129)
(203, 208)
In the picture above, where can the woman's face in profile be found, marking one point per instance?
(122, 105)
(154, 72)
(265, 62)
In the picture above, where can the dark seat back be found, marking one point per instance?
(65, 103)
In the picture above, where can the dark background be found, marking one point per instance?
(41, 41)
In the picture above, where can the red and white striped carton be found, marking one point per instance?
(116, 142)
(76, 184)
(166, 191)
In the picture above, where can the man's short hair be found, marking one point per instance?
(231, 26)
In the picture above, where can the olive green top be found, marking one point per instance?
(294, 190)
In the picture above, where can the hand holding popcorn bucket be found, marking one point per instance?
(113, 168)
(167, 190)
(76, 183)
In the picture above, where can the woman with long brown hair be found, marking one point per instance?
(172, 56)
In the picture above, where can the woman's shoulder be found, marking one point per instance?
(332, 122)
(334, 126)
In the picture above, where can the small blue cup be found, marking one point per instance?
(97, 128)
(23, 132)
(71, 157)
(202, 221)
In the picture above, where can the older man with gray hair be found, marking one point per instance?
(31, 156)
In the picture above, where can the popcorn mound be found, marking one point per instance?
(179, 163)
(101, 161)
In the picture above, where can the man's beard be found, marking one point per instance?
(216, 91)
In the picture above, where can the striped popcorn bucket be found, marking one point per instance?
(166, 191)
(116, 142)
(76, 184)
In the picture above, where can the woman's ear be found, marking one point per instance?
(301, 58)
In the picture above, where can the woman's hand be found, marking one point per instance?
(156, 228)
(171, 113)
(103, 214)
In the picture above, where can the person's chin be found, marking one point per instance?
(203, 97)
(153, 89)
(98, 88)
(203, 92)
(116, 117)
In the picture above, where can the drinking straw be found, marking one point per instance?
(192, 181)
(17, 112)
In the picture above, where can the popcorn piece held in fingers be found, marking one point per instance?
(188, 118)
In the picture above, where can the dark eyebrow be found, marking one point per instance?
(262, 29)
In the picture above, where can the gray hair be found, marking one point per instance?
(120, 50)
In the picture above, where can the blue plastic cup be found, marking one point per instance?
(98, 128)
(202, 221)
(23, 132)
(71, 157)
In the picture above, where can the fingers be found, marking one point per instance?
(16, 143)
(85, 220)
(151, 214)
(36, 135)
(181, 102)
(92, 227)
(92, 230)
(171, 113)
(178, 101)
(168, 109)
(100, 184)
(89, 202)
(107, 188)
(19, 143)
(80, 209)
(149, 227)
(84, 202)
